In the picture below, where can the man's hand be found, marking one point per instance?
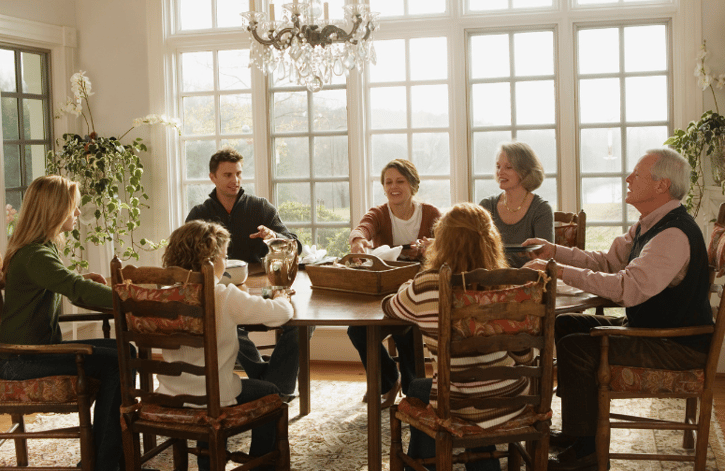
(359, 245)
(539, 264)
(264, 233)
(546, 252)
(95, 277)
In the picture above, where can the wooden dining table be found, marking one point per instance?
(324, 307)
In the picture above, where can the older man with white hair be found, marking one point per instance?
(658, 271)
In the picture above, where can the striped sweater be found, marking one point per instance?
(417, 301)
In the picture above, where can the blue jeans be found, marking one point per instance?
(283, 365)
(388, 369)
(423, 446)
(262, 437)
(101, 365)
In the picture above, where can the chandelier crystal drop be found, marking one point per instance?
(308, 49)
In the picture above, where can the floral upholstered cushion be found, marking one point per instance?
(426, 415)
(468, 327)
(565, 234)
(189, 294)
(650, 380)
(50, 389)
(716, 250)
(230, 417)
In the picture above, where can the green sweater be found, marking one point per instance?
(36, 279)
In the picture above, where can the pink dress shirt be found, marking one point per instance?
(662, 263)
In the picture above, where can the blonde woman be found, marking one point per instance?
(35, 279)
(518, 212)
(466, 239)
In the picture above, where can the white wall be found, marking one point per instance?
(54, 12)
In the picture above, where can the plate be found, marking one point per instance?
(520, 249)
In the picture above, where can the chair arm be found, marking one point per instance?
(646, 332)
(58, 348)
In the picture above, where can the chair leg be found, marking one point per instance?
(21, 444)
(603, 434)
(703, 430)
(514, 459)
(396, 441)
(181, 455)
(688, 439)
(283, 462)
(444, 452)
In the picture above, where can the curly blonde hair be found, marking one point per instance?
(194, 243)
(466, 238)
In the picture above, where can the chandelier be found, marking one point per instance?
(309, 49)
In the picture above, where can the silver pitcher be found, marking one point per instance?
(280, 263)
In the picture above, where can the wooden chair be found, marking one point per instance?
(695, 386)
(53, 394)
(473, 322)
(570, 229)
(181, 314)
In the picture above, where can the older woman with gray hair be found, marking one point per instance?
(517, 212)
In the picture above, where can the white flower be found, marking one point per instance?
(704, 81)
(703, 52)
(720, 81)
(70, 106)
(158, 119)
(80, 85)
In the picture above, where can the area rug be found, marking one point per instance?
(334, 435)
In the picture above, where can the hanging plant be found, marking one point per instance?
(109, 175)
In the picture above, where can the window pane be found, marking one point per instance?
(431, 154)
(480, 5)
(330, 110)
(390, 63)
(435, 192)
(290, 111)
(388, 7)
(198, 115)
(599, 101)
(228, 12)
(34, 162)
(646, 98)
(12, 165)
(331, 159)
(547, 191)
(332, 201)
(235, 113)
(10, 118)
(386, 147)
(429, 105)
(598, 51)
(34, 119)
(428, 58)
(292, 157)
(534, 53)
(32, 72)
(535, 102)
(197, 71)
(532, 3)
(645, 48)
(244, 146)
(543, 141)
(601, 150)
(602, 199)
(600, 238)
(640, 140)
(425, 7)
(197, 155)
(234, 71)
(388, 108)
(491, 104)
(490, 56)
(298, 193)
(197, 194)
(7, 71)
(485, 146)
(485, 188)
(195, 14)
(334, 241)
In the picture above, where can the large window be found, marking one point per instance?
(587, 83)
(25, 96)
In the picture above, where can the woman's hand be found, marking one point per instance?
(95, 277)
(546, 252)
(358, 245)
(423, 244)
(264, 233)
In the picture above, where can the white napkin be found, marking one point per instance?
(384, 252)
(311, 254)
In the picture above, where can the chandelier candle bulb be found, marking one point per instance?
(327, 11)
(252, 6)
(271, 12)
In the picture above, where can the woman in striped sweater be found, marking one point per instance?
(466, 239)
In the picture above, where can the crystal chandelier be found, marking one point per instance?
(309, 48)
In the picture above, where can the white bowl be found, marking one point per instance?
(235, 273)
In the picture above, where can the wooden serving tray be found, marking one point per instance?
(381, 278)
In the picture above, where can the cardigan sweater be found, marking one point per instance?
(36, 279)
(417, 301)
(377, 226)
(247, 214)
(232, 307)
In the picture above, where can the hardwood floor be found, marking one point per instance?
(348, 371)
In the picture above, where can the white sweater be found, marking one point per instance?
(233, 307)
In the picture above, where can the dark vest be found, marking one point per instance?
(686, 304)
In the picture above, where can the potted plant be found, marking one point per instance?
(703, 138)
(109, 176)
